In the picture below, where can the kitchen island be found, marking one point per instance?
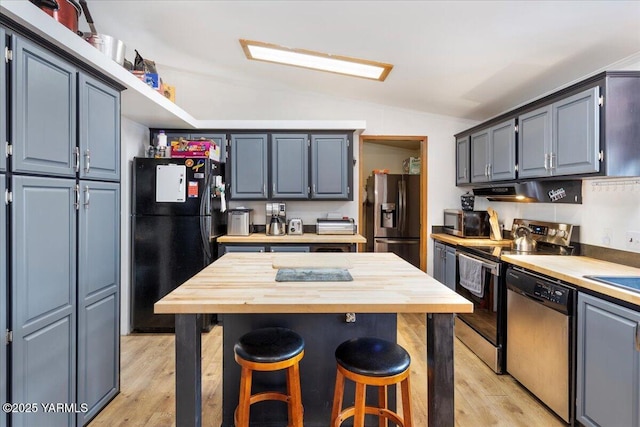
(244, 283)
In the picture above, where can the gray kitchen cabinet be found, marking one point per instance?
(289, 166)
(462, 160)
(576, 134)
(223, 249)
(249, 171)
(43, 106)
(3, 301)
(3, 115)
(330, 166)
(289, 248)
(493, 153)
(99, 129)
(43, 290)
(444, 264)
(534, 143)
(98, 296)
(608, 364)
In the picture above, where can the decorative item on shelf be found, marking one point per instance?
(411, 165)
(169, 92)
(467, 200)
(380, 171)
(66, 12)
(110, 46)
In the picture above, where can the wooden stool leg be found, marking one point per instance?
(382, 403)
(406, 402)
(338, 391)
(295, 396)
(245, 394)
(358, 418)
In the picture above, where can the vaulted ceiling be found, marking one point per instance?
(468, 59)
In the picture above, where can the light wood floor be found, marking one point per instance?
(147, 384)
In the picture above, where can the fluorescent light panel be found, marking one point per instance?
(315, 60)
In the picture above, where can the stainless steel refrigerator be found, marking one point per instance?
(172, 225)
(392, 215)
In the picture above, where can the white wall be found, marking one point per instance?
(379, 156)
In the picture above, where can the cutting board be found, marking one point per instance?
(496, 234)
(313, 275)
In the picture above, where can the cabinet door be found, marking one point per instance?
(462, 160)
(3, 300)
(438, 262)
(249, 165)
(290, 248)
(502, 164)
(479, 159)
(98, 296)
(43, 289)
(576, 134)
(242, 248)
(608, 377)
(450, 267)
(99, 129)
(3, 117)
(534, 143)
(289, 166)
(44, 111)
(330, 167)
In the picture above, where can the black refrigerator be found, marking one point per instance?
(392, 215)
(173, 222)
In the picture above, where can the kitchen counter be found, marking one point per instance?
(244, 283)
(453, 240)
(571, 269)
(257, 238)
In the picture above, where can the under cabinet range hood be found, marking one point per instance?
(565, 191)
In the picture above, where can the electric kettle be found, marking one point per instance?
(523, 240)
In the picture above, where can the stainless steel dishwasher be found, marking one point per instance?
(540, 338)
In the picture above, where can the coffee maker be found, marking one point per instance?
(276, 219)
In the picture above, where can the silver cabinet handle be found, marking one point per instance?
(313, 189)
(76, 155)
(552, 164)
(273, 188)
(546, 161)
(264, 189)
(87, 156)
(87, 196)
(465, 173)
(76, 205)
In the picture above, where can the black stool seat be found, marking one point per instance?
(269, 345)
(372, 357)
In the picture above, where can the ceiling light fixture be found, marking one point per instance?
(267, 52)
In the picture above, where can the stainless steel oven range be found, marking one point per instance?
(481, 280)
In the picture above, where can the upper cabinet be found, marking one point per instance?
(99, 129)
(249, 167)
(493, 153)
(302, 166)
(589, 129)
(462, 160)
(44, 111)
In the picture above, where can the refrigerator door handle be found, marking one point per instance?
(399, 207)
(403, 205)
(398, 242)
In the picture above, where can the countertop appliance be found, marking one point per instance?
(276, 219)
(481, 279)
(392, 215)
(466, 223)
(335, 226)
(172, 224)
(239, 222)
(295, 226)
(541, 338)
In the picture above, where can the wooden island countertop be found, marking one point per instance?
(245, 283)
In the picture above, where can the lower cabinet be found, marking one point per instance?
(289, 248)
(223, 249)
(3, 298)
(65, 302)
(608, 364)
(444, 264)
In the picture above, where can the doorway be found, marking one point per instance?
(388, 152)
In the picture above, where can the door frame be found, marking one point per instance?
(362, 174)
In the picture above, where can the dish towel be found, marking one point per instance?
(471, 275)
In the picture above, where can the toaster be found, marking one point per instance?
(294, 226)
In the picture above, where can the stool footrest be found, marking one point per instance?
(370, 410)
(268, 395)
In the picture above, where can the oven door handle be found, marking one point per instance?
(493, 267)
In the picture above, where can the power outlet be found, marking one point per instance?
(633, 240)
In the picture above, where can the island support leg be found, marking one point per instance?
(440, 380)
(188, 371)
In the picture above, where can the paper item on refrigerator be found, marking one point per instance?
(223, 201)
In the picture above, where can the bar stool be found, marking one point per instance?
(269, 349)
(376, 362)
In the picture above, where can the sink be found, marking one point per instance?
(629, 282)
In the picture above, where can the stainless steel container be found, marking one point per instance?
(336, 226)
(240, 222)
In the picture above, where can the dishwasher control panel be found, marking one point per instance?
(550, 292)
